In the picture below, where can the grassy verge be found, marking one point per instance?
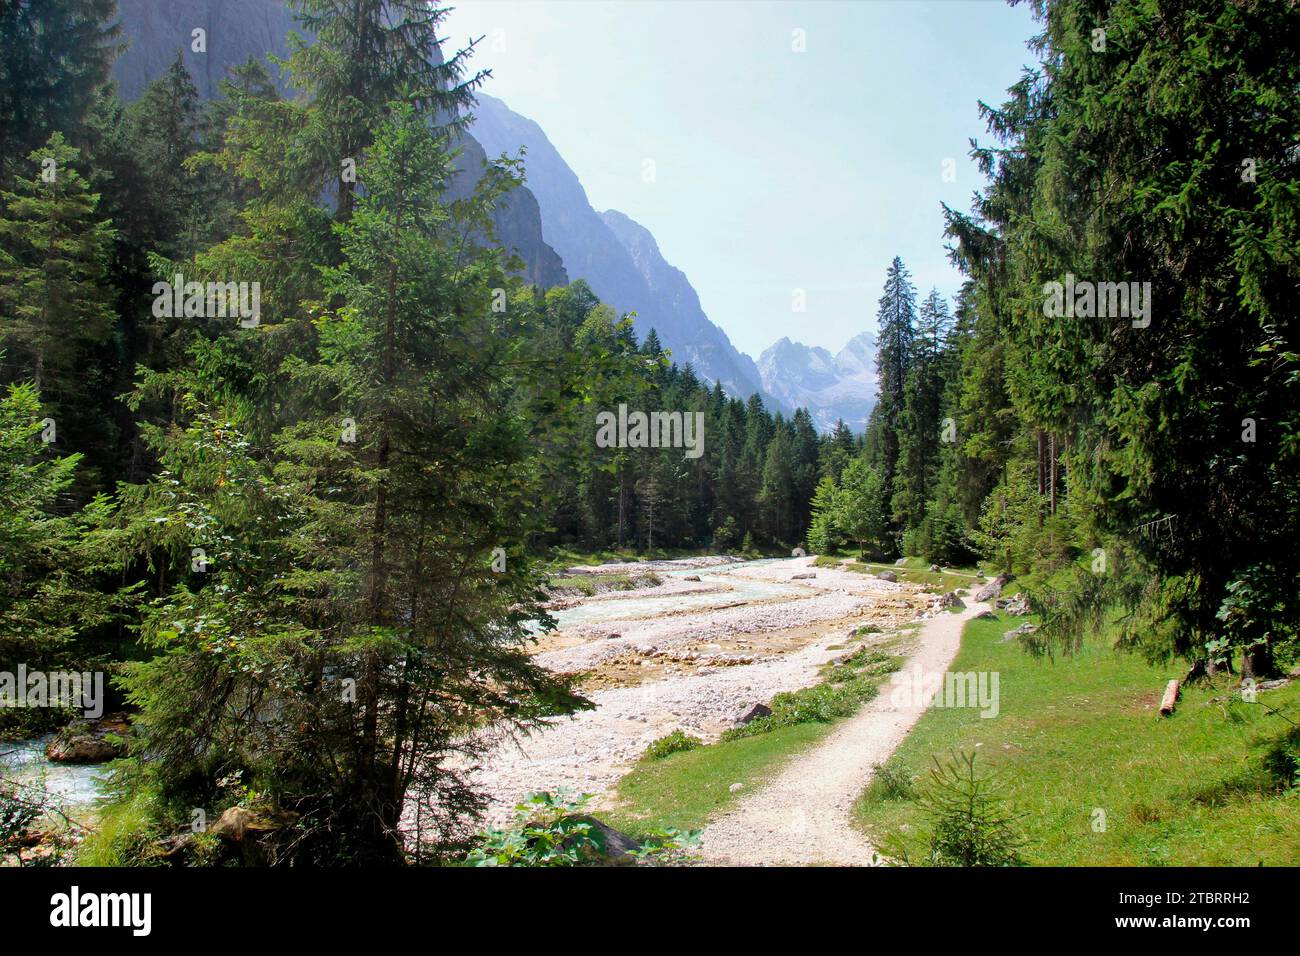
(684, 789)
(1079, 735)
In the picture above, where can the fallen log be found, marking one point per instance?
(1171, 696)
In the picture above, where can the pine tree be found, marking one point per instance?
(55, 56)
(894, 356)
(54, 255)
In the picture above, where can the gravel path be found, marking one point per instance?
(803, 816)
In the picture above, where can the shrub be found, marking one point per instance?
(545, 834)
(549, 831)
(970, 824)
(676, 742)
(890, 781)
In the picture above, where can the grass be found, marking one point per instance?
(1080, 735)
(686, 788)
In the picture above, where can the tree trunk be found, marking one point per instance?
(1052, 463)
(1257, 660)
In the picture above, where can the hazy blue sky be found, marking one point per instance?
(775, 170)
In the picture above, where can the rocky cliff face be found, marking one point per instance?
(618, 258)
(831, 387)
(235, 30)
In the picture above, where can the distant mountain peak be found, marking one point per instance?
(831, 387)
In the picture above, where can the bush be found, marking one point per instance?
(549, 831)
(969, 822)
(890, 781)
(845, 690)
(545, 834)
(676, 742)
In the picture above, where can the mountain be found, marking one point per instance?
(831, 387)
(157, 31)
(618, 258)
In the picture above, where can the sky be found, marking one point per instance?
(773, 170)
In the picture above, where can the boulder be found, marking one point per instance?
(992, 589)
(752, 713)
(887, 576)
(951, 599)
(900, 562)
(691, 577)
(613, 848)
(1016, 606)
(985, 616)
(1019, 632)
(803, 577)
(90, 741)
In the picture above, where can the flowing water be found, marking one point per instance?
(68, 785)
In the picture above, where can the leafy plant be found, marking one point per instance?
(547, 832)
(891, 781)
(676, 742)
(666, 846)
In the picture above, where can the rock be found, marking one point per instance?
(992, 589)
(691, 577)
(985, 616)
(887, 576)
(900, 562)
(736, 788)
(1016, 606)
(951, 599)
(615, 848)
(803, 577)
(88, 741)
(1019, 632)
(611, 635)
(752, 713)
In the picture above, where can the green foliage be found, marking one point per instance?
(550, 830)
(860, 506)
(49, 591)
(17, 813)
(547, 832)
(970, 824)
(676, 742)
(840, 695)
(891, 781)
(1147, 425)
